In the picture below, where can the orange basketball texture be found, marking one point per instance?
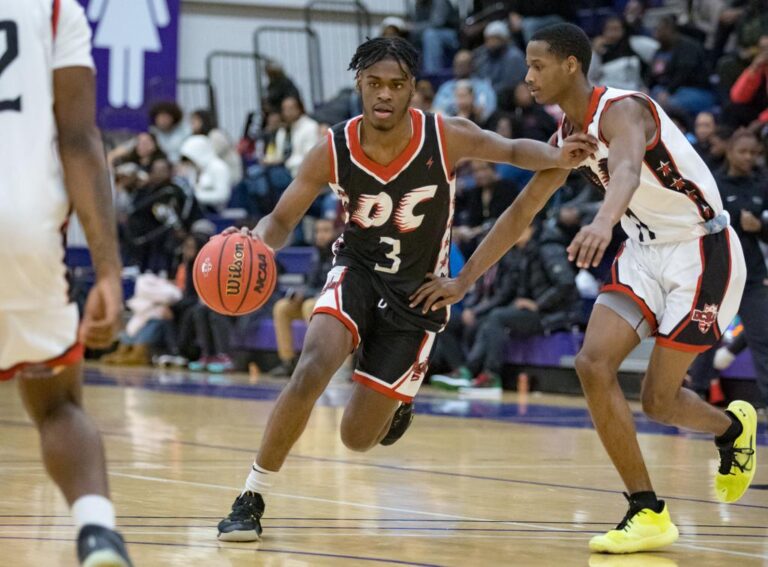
(234, 274)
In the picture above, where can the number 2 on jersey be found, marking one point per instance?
(10, 30)
(393, 255)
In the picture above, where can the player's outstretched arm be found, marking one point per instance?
(466, 140)
(439, 292)
(624, 127)
(314, 175)
(87, 182)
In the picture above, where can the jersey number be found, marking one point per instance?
(11, 33)
(393, 255)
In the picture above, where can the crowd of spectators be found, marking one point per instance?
(705, 61)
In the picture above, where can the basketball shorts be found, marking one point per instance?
(38, 324)
(393, 354)
(683, 293)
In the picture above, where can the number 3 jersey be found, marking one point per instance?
(677, 199)
(37, 37)
(398, 217)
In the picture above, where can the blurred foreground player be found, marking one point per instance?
(679, 277)
(52, 160)
(398, 229)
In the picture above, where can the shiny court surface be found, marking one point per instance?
(473, 483)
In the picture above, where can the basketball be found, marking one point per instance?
(234, 274)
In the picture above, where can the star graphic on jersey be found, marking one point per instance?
(664, 168)
(430, 162)
(678, 183)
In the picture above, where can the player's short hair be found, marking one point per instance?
(567, 40)
(381, 48)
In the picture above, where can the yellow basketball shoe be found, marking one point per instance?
(642, 529)
(737, 459)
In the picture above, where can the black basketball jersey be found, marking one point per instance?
(399, 216)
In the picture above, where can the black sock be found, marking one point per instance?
(646, 500)
(731, 433)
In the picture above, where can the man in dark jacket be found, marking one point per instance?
(299, 303)
(545, 299)
(745, 197)
(679, 75)
(433, 26)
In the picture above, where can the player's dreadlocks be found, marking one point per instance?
(380, 48)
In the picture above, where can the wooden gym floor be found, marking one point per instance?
(473, 483)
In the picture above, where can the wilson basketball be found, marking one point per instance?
(234, 274)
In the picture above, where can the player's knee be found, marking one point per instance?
(354, 437)
(658, 407)
(591, 369)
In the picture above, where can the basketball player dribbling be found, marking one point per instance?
(392, 168)
(52, 160)
(679, 277)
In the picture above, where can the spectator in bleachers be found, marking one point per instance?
(298, 134)
(169, 128)
(699, 20)
(141, 150)
(714, 156)
(150, 311)
(203, 123)
(745, 197)
(207, 174)
(499, 60)
(543, 299)
(485, 96)
(298, 303)
(279, 88)
(531, 120)
(433, 25)
(634, 16)
(614, 62)
(749, 90)
(424, 96)
(703, 129)
(679, 75)
(527, 16)
(503, 123)
(392, 26)
(213, 336)
(479, 205)
(464, 103)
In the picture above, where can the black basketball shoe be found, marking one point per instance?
(244, 521)
(98, 546)
(400, 424)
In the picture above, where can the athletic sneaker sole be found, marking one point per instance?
(105, 558)
(241, 536)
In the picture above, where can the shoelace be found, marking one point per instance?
(633, 511)
(728, 458)
(245, 507)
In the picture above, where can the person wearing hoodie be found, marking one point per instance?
(207, 173)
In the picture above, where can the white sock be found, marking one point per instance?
(93, 509)
(259, 480)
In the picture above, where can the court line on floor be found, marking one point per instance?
(251, 549)
(374, 506)
(318, 499)
(409, 469)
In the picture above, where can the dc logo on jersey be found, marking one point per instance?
(376, 210)
(705, 317)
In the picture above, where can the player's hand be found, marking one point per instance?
(588, 246)
(102, 316)
(576, 148)
(749, 222)
(438, 292)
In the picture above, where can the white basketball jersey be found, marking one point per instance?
(36, 38)
(677, 194)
